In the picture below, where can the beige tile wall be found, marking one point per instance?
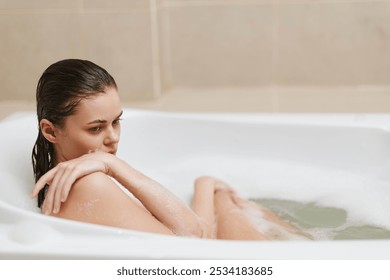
(217, 45)
(114, 34)
(285, 42)
(334, 44)
(254, 55)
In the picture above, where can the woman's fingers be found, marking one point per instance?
(220, 185)
(67, 180)
(66, 188)
(62, 178)
(58, 192)
(50, 194)
(45, 179)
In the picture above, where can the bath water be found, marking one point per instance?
(321, 222)
(329, 203)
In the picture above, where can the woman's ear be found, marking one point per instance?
(49, 130)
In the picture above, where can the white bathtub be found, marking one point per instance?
(338, 160)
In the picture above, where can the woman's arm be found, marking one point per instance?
(203, 204)
(161, 203)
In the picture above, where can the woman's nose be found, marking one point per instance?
(112, 136)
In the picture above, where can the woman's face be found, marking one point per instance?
(94, 126)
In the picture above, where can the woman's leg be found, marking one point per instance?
(241, 219)
(274, 227)
(231, 222)
(220, 217)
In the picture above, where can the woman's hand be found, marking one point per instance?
(62, 177)
(222, 186)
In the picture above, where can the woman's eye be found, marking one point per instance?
(116, 122)
(95, 129)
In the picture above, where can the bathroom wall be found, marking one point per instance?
(114, 34)
(265, 55)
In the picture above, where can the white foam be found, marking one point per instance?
(365, 199)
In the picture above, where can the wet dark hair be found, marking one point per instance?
(60, 89)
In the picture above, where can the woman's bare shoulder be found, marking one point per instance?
(93, 192)
(94, 183)
(97, 199)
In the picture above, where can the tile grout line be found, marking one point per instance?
(275, 54)
(155, 50)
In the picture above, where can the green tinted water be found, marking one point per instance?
(323, 223)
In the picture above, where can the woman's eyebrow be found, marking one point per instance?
(104, 121)
(97, 121)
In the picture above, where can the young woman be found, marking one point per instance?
(74, 163)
